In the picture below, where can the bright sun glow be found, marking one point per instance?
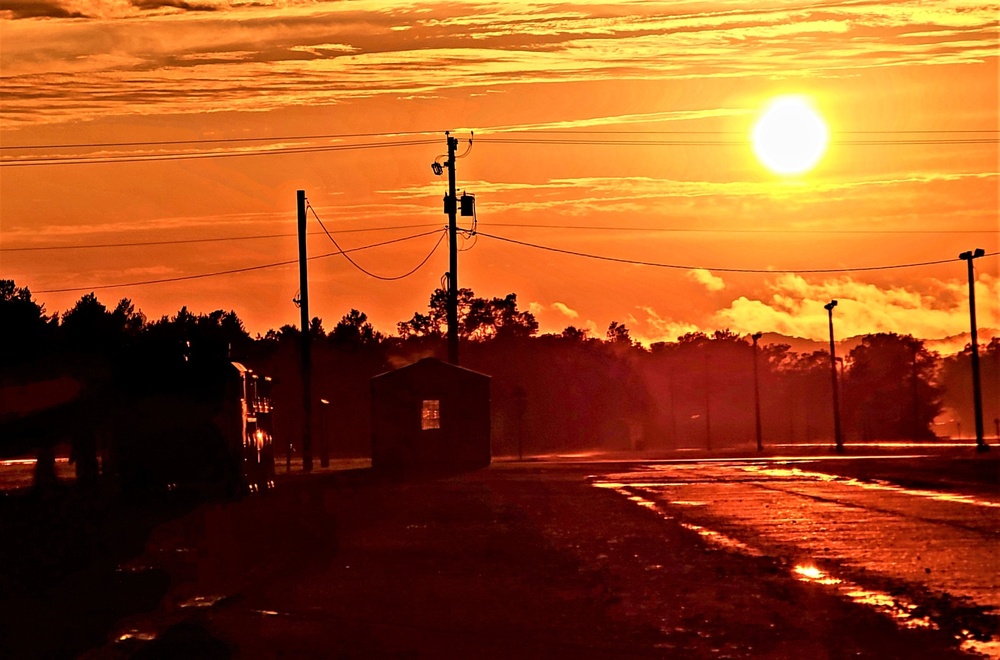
(790, 137)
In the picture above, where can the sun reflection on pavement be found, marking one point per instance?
(869, 485)
(702, 496)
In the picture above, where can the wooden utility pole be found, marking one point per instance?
(451, 208)
(305, 352)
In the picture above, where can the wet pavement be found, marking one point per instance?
(697, 558)
(928, 557)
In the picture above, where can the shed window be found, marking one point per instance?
(430, 414)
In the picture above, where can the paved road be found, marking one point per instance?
(927, 556)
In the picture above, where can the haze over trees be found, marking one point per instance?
(565, 391)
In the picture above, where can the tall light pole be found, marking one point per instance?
(833, 379)
(708, 405)
(756, 390)
(977, 393)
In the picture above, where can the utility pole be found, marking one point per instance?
(977, 393)
(451, 208)
(305, 352)
(833, 377)
(756, 391)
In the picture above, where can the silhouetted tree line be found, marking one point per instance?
(558, 391)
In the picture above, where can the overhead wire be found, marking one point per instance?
(498, 130)
(654, 264)
(368, 272)
(722, 143)
(231, 271)
(200, 155)
(165, 143)
(184, 241)
(469, 233)
(563, 141)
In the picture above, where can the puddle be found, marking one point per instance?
(900, 609)
(722, 540)
(201, 601)
(137, 635)
(904, 612)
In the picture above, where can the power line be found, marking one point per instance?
(635, 262)
(184, 241)
(163, 143)
(368, 272)
(199, 155)
(516, 225)
(246, 269)
(394, 134)
(723, 143)
(745, 231)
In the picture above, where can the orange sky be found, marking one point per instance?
(83, 71)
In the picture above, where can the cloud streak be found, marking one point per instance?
(399, 49)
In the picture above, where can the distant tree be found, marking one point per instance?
(479, 319)
(955, 379)
(127, 318)
(618, 334)
(27, 329)
(355, 330)
(889, 390)
(435, 322)
(498, 318)
(316, 330)
(575, 334)
(88, 326)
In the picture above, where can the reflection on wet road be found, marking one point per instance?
(866, 539)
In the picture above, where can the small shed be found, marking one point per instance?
(430, 416)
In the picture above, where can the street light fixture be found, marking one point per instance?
(833, 379)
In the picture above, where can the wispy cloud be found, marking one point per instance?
(565, 310)
(706, 279)
(331, 52)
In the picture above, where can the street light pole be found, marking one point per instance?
(977, 393)
(756, 391)
(833, 379)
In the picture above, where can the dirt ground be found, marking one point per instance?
(519, 560)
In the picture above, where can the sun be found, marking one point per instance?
(790, 137)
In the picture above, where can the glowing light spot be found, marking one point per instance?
(790, 137)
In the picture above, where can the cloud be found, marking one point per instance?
(931, 309)
(36, 9)
(654, 328)
(398, 48)
(705, 278)
(172, 4)
(565, 310)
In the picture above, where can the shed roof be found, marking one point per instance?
(430, 366)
